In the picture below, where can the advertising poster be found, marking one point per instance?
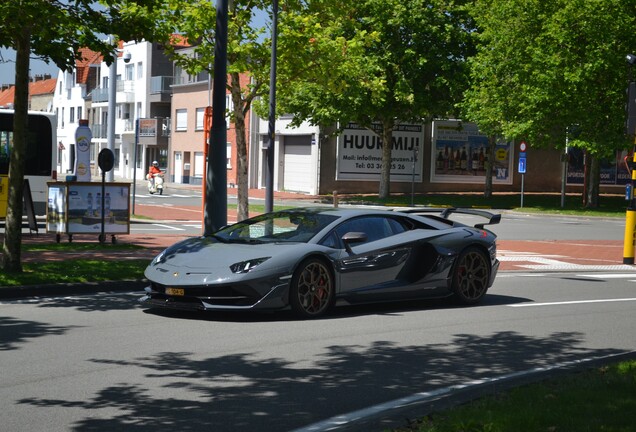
(460, 152)
(85, 208)
(56, 209)
(613, 170)
(359, 154)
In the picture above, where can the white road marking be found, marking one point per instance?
(573, 302)
(161, 228)
(549, 263)
(338, 421)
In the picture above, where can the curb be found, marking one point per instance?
(70, 289)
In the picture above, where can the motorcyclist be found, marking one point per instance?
(154, 169)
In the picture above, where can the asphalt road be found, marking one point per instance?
(103, 363)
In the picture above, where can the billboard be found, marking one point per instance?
(359, 153)
(459, 153)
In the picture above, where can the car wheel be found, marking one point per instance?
(471, 275)
(312, 289)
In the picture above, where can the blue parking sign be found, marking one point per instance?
(522, 165)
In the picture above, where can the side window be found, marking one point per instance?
(374, 227)
(396, 226)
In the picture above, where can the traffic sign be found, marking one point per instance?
(522, 165)
(522, 146)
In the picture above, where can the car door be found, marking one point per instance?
(372, 267)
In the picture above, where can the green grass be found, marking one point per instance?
(77, 247)
(601, 399)
(76, 270)
(609, 205)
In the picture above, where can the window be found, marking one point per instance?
(200, 122)
(79, 113)
(130, 69)
(228, 108)
(375, 227)
(182, 120)
(229, 156)
(71, 115)
(140, 70)
(198, 164)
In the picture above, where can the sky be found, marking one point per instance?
(7, 67)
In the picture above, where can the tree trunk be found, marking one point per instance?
(241, 147)
(593, 185)
(11, 258)
(488, 164)
(387, 146)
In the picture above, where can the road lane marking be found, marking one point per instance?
(161, 228)
(573, 302)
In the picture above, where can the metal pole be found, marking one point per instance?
(269, 173)
(215, 215)
(629, 240)
(413, 176)
(112, 103)
(134, 185)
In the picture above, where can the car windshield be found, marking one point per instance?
(282, 226)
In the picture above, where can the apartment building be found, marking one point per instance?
(143, 76)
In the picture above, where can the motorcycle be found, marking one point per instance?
(157, 184)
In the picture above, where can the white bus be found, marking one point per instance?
(40, 156)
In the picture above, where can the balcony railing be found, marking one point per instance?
(100, 94)
(160, 84)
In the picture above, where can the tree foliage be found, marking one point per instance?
(55, 30)
(543, 68)
(369, 61)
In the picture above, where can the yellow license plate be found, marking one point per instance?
(175, 291)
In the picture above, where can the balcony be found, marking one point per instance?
(160, 89)
(160, 84)
(100, 94)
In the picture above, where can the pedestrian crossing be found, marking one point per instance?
(541, 262)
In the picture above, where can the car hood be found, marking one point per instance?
(208, 257)
(223, 254)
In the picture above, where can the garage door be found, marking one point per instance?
(298, 175)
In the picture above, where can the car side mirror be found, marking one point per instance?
(353, 237)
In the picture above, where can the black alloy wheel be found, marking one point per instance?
(471, 275)
(312, 289)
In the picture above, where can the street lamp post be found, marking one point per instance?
(112, 103)
(269, 173)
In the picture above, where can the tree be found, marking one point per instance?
(370, 61)
(67, 27)
(544, 67)
(248, 54)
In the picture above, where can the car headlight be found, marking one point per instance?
(246, 266)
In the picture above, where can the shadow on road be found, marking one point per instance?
(246, 392)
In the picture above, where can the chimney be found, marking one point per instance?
(5, 87)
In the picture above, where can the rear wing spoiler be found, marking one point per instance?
(444, 213)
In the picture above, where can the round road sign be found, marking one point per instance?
(522, 146)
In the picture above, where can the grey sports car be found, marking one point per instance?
(307, 259)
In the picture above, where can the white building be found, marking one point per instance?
(296, 156)
(143, 79)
